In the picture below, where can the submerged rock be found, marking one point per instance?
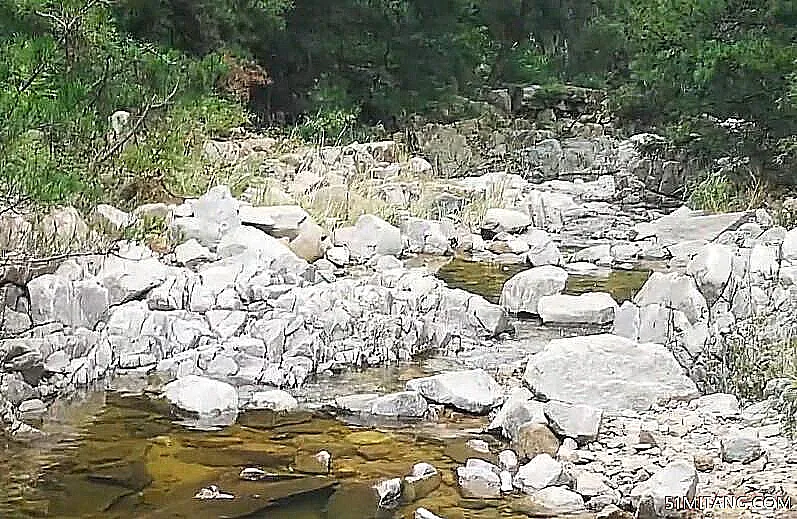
(318, 463)
(422, 481)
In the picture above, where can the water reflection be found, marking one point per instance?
(128, 459)
(486, 280)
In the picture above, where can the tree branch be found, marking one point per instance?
(103, 156)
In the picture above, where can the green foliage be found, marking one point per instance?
(59, 86)
(715, 194)
(328, 126)
(334, 65)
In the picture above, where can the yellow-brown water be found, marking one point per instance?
(487, 280)
(128, 459)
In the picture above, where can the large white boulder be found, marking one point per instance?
(523, 291)
(595, 308)
(370, 236)
(473, 390)
(203, 396)
(608, 372)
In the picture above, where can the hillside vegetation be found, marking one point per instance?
(189, 70)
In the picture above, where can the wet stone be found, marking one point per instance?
(422, 481)
(318, 463)
(533, 439)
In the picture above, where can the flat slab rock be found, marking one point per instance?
(594, 308)
(608, 372)
(473, 391)
(686, 225)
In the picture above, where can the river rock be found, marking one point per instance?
(723, 405)
(192, 253)
(532, 439)
(111, 218)
(595, 308)
(369, 236)
(215, 214)
(627, 321)
(788, 249)
(405, 404)
(541, 472)
(743, 448)
(507, 486)
(685, 225)
(523, 291)
(584, 268)
(542, 250)
(356, 404)
(600, 255)
(677, 479)
(79, 304)
(503, 220)
(712, 268)
(590, 484)
(608, 372)
(508, 461)
(14, 322)
(518, 409)
(675, 291)
(479, 479)
(273, 400)
(550, 502)
(422, 481)
(580, 422)
(428, 236)
(423, 513)
(474, 391)
(201, 395)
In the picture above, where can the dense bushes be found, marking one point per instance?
(330, 65)
(64, 69)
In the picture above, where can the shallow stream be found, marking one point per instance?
(114, 456)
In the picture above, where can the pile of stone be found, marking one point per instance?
(605, 425)
(235, 303)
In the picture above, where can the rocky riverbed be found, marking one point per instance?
(589, 342)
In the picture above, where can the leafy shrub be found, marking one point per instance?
(328, 126)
